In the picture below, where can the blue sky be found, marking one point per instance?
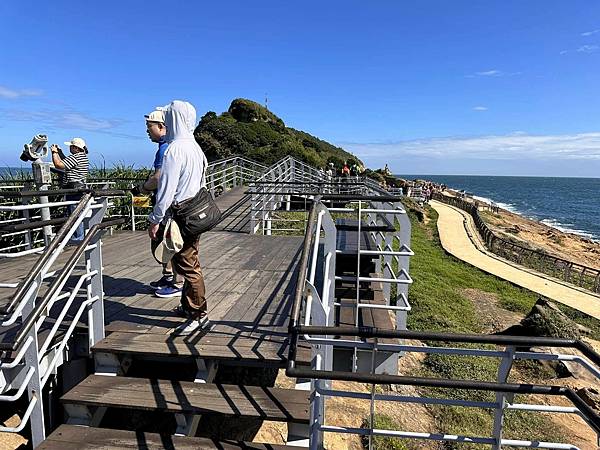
(461, 87)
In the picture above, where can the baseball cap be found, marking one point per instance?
(171, 243)
(155, 116)
(77, 142)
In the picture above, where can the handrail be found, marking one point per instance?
(31, 225)
(23, 286)
(53, 192)
(368, 338)
(56, 284)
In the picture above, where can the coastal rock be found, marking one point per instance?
(591, 396)
(546, 319)
(515, 229)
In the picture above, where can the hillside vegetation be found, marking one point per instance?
(251, 130)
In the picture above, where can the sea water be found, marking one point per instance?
(568, 204)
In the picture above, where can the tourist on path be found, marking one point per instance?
(171, 283)
(181, 177)
(76, 167)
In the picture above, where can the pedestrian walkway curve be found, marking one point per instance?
(459, 238)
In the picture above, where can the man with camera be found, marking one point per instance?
(76, 168)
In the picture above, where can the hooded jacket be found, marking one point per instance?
(184, 164)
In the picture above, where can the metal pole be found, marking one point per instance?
(93, 261)
(502, 398)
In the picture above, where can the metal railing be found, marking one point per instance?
(43, 327)
(19, 207)
(221, 176)
(563, 269)
(288, 185)
(311, 323)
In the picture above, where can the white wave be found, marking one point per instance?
(567, 228)
(508, 206)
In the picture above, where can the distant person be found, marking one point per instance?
(170, 284)
(76, 167)
(345, 170)
(182, 176)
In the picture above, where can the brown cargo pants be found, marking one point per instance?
(186, 264)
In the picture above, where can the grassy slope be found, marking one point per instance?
(439, 306)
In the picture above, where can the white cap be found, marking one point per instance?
(77, 142)
(155, 116)
(171, 243)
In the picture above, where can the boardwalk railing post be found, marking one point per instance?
(28, 242)
(502, 398)
(34, 386)
(95, 289)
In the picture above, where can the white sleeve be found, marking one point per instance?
(167, 186)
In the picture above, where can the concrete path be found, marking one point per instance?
(459, 237)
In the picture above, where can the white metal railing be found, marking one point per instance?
(312, 323)
(29, 362)
(221, 176)
(288, 185)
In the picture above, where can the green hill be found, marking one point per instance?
(251, 130)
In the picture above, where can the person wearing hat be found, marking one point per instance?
(76, 167)
(170, 284)
(181, 179)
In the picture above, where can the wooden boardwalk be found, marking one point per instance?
(249, 281)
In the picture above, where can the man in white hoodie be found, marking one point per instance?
(181, 177)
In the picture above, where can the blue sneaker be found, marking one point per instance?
(166, 280)
(168, 291)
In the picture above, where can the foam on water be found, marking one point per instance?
(567, 228)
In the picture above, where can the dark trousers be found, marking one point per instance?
(186, 264)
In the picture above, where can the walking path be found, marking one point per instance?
(459, 238)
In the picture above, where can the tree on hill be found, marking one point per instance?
(251, 130)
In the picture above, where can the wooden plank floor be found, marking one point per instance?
(250, 286)
(249, 281)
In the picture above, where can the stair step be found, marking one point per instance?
(283, 405)
(71, 437)
(271, 351)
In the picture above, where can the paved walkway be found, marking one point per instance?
(460, 238)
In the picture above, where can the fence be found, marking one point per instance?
(21, 208)
(289, 185)
(569, 271)
(311, 324)
(39, 343)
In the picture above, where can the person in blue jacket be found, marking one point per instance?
(170, 284)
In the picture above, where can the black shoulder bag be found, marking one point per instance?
(197, 215)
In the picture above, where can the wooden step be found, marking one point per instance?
(239, 347)
(283, 405)
(71, 437)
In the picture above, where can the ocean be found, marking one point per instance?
(567, 204)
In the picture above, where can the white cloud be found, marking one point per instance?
(588, 49)
(67, 118)
(480, 108)
(590, 33)
(490, 73)
(493, 73)
(9, 93)
(563, 52)
(515, 146)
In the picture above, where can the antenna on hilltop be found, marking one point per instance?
(266, 101)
